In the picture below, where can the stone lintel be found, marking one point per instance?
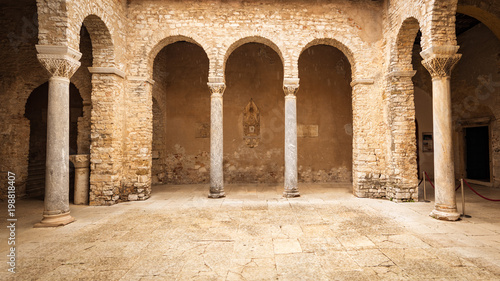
(141, 79)
(481, 121)
(107, 70)
(364, 81)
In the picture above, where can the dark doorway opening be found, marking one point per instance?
(477, 151)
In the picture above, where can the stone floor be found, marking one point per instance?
(255, 234)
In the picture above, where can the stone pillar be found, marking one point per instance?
(439, 61)
(290, 87)
(404, 179)
(217, 87)
(61, 62)
(82, 175)
(368, 177)
(107, 135)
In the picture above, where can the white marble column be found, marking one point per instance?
(216, 140)
(61, 62)
(290, 87)
(439, 61)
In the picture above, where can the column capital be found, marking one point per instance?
(440, 60)
(60, 61)
(290, 86)
(80, 160)
(217, 88)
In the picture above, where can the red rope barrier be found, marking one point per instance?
(429, 179)
(433, 185)
(489, 199)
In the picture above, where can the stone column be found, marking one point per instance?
(82, 175)
(217, 87)
(290, 87)
(61, 62)
(439, 61)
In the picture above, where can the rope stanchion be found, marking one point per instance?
(429, 180)
(477, 193)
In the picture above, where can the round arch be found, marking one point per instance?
(402, 52)
(250, 39)
(336, 44)
(491, 20)
(160, 44)
(103, 53)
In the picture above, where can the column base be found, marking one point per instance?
(451, 215)
(216, 194)
(55, 220)
(290, 193)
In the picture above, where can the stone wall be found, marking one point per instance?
(376, 38)
(475, 91)
(324, 101)
(181, 125)
(289, 29)
(20, 74)
(254, 72)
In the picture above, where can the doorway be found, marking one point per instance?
(477, 153)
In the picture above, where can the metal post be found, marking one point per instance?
(463, 197)
(425, 195)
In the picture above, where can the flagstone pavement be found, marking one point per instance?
(256, 234)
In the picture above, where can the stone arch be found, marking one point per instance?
(402, 51)
(491, 20)
(250, 39)
(103, 53)
(334, 43)
(159, 44)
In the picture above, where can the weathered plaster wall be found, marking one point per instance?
(254, 71)
(324, 99)
(476, 90)
(181, 138)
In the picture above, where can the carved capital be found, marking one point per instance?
(216, 89)
(440, 60)
(60, 61)
(290, 90)
(290, 86)
(80, 160)
(441, 65)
